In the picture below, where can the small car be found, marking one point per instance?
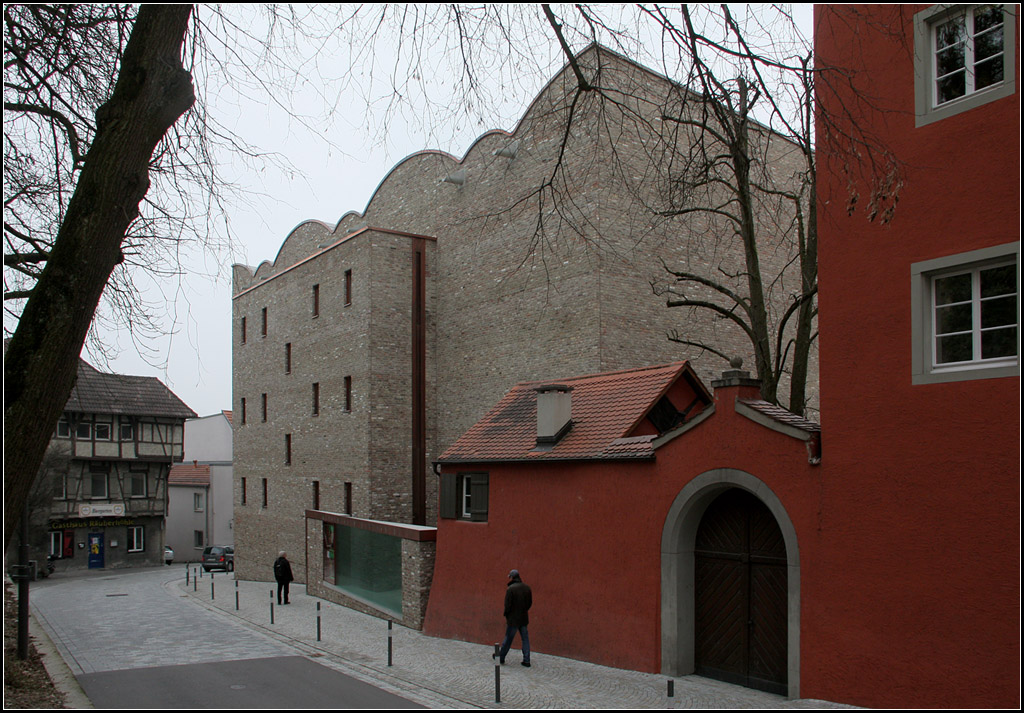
(219, 557)
(168, 555)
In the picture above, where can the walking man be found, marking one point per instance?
(518, 600)
(283, 575)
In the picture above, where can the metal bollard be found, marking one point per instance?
(212, 594)
(195, 581)
(671, 688)
(236, 595)
(497, 673)
(389, 642)
(186, 574)
(318, 621)
(271, 606)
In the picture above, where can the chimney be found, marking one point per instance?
(554, 413)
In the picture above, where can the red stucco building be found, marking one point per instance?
(668, 528)
(920, 386)
(616, 496)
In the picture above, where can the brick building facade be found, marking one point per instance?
(365, 349)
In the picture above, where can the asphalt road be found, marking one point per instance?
(133, 643)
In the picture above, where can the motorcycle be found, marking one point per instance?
(50, 567)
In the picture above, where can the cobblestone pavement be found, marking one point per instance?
(442, 673)
(114, 621)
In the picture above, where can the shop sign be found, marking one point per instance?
(101, 510)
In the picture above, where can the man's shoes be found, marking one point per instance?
(526, 663)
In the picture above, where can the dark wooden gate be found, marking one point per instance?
(741, 594)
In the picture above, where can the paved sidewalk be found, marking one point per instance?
(442, 673)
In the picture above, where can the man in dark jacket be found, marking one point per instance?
(518, 600)
(283, 575)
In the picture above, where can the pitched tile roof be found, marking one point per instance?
(98, 392)
(189, 474)
(777, 413)
(605, 409)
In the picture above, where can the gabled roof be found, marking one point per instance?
(98, 392)
(605, 410)
(189, 474)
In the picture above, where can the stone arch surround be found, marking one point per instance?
(677, 568)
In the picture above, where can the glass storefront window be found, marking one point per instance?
(368, 565)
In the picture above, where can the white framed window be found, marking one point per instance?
(963, 58)
(103, 431)
(56, 544)
(98, 473)
(60, 486)
(197, 502)
(464, 496)
(63, 428)
(965, 321)
(197, 539)
(136, 539)
(138, 484)
(127, 432)
(83, 431)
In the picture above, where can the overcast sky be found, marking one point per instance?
(336, 158)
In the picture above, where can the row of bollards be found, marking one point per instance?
(319, 631)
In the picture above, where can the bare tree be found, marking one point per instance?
(93, 97)
(105, 173)
(732, 145)
(110, 176)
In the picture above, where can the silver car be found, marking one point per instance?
(219, 557)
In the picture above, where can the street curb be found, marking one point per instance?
(56, 668)
(367, 673)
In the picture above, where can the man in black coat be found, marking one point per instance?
(283, 575)
(518, 600)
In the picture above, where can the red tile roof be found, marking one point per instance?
(189, 474)
(777, 413)
(605, 409)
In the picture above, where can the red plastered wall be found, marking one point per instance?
(921, 503)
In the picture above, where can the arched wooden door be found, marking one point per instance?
(741, 594)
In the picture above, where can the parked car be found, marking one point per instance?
(219, 557)
(168, 555)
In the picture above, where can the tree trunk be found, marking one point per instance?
(153, 90)
(805, 317)
(739, 151)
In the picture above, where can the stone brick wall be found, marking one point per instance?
(361, 437)
(534, 274)
(417, 573)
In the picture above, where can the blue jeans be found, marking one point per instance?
(510, 633)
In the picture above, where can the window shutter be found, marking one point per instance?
(449, 499)
(478, 497)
